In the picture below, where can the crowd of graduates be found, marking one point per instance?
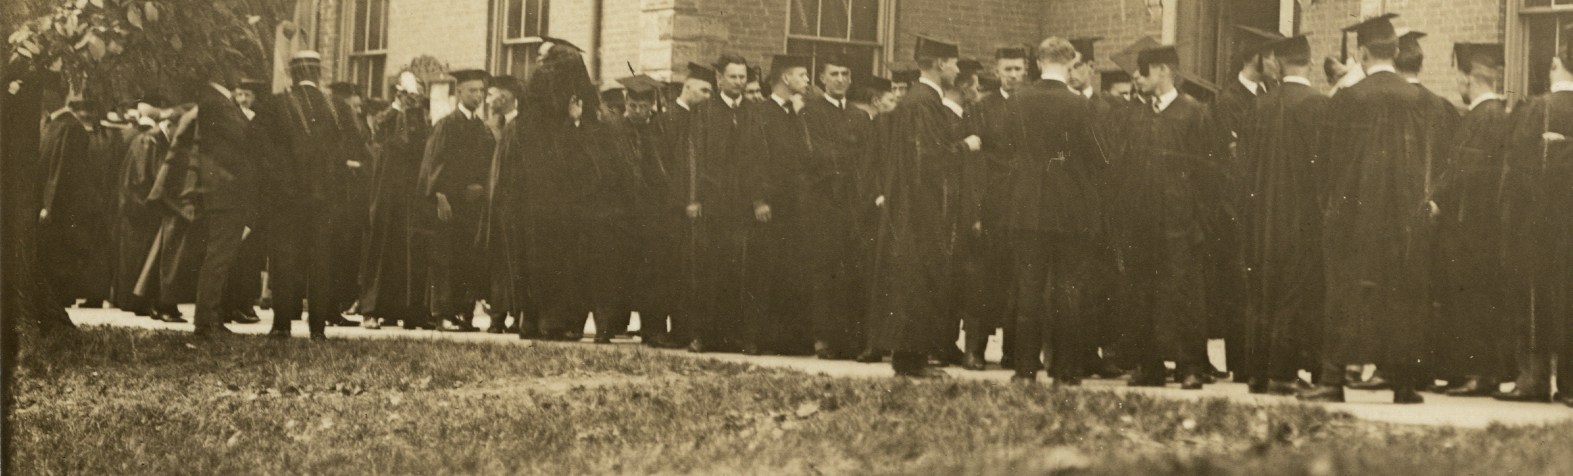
(1109, 231)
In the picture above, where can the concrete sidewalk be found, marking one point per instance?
(1370, 405)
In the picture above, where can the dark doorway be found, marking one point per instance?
(1206, 35)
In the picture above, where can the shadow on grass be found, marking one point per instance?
(117, 400)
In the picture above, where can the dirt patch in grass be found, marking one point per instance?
(143, 402)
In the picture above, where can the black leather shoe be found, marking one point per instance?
(1406, 394)
(871, 356)
(318, 335)
(277, 333)
(1067, 381)
(1322, 394)
(696, 346)
(240, 317)
(1006, 362)
(1375, 383)
(168, 317)
(1473, 387)
(974, 362)
(603, 339)
(1141, 378)
(1192, 381)
(495, 329)
(1522, 396)
(454, 324)
(1108, 370)
(340, 321)
(824, 351)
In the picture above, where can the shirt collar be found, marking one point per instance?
(511, 115)
(1562, 86)
(683, 104)
(839, 103)
(1004, 94)
(397, 105)
(468, 114)
(1413, 80)
(1167, 98)
(1251, 86)
(954, 107)
(63, 111)
(1054, 77)
(1297, 80)
(731, 103)
(780, 101)
(1380, 68)
(308, 83)
(223, 90)
(1483, 98)
(250, 114)
(934, 85)
(1087, 92)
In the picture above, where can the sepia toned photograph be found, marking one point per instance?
(787, 237)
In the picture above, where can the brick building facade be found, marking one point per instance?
(659, 36)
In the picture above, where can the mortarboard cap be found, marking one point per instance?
(154, 99)
(1161, 55)
(1298, 45)
(613, 97)
(561, 42)
(1201, 89)
(1126, 58)
(701, 72)
(253, 85)
(969, 66)
(1085, 47)
(1256, 39)
(988, 83)
(467, 75)
(781, 63)
(877, 83)
(642, 83)
(1410, 40)
(1107, 78)
(934, 49)
(510, 84)
(906, 76)
(1469, 55)
(1010, 53)
(1378, 29)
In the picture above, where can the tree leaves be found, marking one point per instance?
(152, 11)
(134, 16)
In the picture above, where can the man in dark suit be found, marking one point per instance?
(722, 213)
(1382, 152)
(228, 176)
(454, 174)
(923, 143)
(313, 173)
(1281, 216)
(1052, 216)
(839, 133)
(1161, 217)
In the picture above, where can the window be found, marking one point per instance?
(523, 23)
(369, 46)
(845, 27)
(1535, 28)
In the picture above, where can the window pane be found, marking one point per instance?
(1543, 40)
(805, 17)
(833, 19)
(374, 81)
(374, 30)
(865, 20)
(360, 26)
(515, 19)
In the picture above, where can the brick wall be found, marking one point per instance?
(978, 27)
(1119, 22)
(1444, 21)
(453, 31)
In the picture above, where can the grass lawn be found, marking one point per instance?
(117, 400)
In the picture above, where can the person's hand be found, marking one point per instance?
(973, 143)
(762, 212)
(354, 164)
(1432, 209)
(472, 192)
(693, 210)
(444, 210)
(977, 228)
(245, 232)
(1553, 137)
(575, 108)
(43, 215)
(879, 201)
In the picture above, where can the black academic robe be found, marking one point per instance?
(1224, 275)
(823, 239)
(721, 232)
(776, 176)
(457, 165)
(393, 273)
(310, 182)
(1477, 293)
(662, 278)
(921, 142)
(1540, 238)
(1382, 154)
(984, 256)
(71, 237)
(1234, 104)
(1161, 214)
(1282, 180)
(138, 219)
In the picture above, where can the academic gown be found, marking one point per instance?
(1540, 237)
(985, 257)
(393, 272)
(1382, 153)
(456, 163)
(777, 176)
(1477, 292)
(1282, 180)
(1161, 215)
(1225, 279)
(662, 281)
(721, 233)
(310, 184)
(920, 173)
(823, 240)
(138, 218)
(70, 240)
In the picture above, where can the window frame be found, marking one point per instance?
(882, 48)
(504, 46)
(1518, 70)
(376, 82)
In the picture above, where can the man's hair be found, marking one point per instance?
(778, 76)
(1056, 50)
(729, 59)
(1383, 50)
(1489, 76)
(928, 63)
(1409, 61)
(1295, 59)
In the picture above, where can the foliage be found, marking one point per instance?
(136, 401)
(115, 50)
